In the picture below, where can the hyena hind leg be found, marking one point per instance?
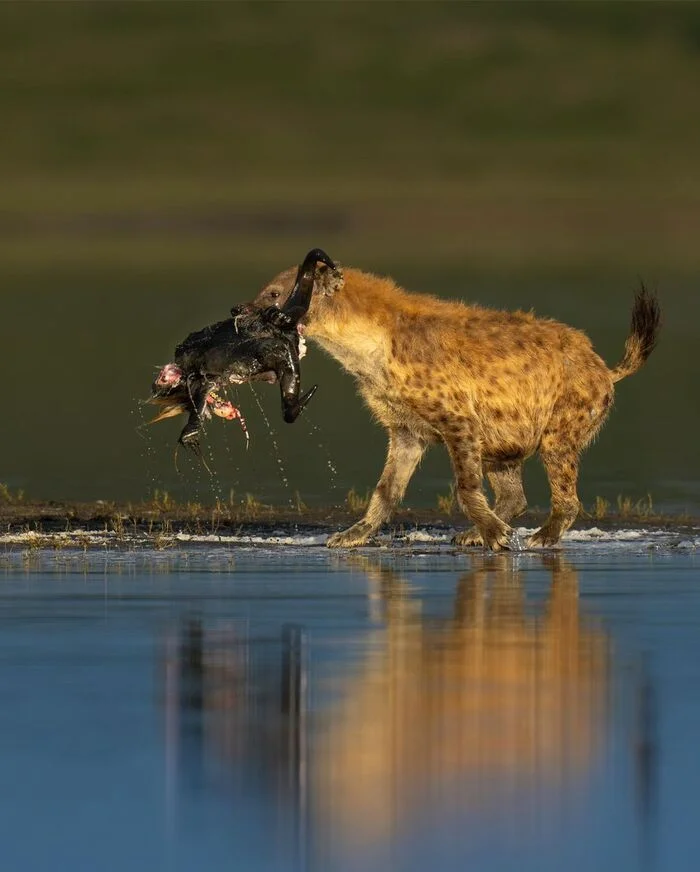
(465, 454)
(561, 464)
(506, 480)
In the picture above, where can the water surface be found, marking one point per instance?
(283, 707)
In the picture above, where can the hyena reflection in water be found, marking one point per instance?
(465, 706)
(470, 707)
(494, 387)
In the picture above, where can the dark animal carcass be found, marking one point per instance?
(253, 344)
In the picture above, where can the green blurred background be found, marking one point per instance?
(160, 161)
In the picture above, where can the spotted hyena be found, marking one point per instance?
(495, 387)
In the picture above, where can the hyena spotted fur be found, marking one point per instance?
(495, 387)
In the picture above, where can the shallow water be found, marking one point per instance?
(256, 706)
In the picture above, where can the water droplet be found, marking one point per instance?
(315, 432)
(275, 446)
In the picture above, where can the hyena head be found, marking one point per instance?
(307, 285)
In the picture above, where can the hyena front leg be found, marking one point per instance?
(465, 454)
(405, 451)
(506, 480)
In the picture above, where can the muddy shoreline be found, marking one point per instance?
(154, 518)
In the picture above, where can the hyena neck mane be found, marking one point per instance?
(357, 323)
(352, 324)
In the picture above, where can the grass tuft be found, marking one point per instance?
(447, 503)
(299, 504)
(355, 502)
(628, 509)
(10, 497)
(162, 500)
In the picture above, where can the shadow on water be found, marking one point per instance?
(438, 724)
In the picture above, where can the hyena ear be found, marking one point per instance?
(328, 280)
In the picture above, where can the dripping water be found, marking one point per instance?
(208, 485)
(232, 454)
(148, 452)
(278, 457)
(314, 432)
(214, 480)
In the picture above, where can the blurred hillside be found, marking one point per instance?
(489, 136)
(160, 161)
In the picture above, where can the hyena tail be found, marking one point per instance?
(644, 331)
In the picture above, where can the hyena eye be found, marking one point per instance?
(274, 295)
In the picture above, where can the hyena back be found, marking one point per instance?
(495, 387)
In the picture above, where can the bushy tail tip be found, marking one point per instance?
(644, 333)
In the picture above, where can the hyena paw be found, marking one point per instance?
(358, 534)
(496, 538)
(471, 538)
(507, 540)
(544, 538)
